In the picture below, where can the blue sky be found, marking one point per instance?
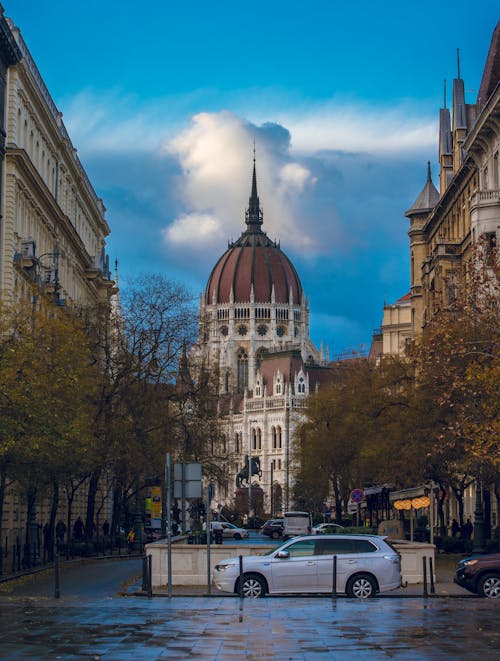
(163, 101)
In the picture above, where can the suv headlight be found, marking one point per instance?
(469, 563)
(224, 565)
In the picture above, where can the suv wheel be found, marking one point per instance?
(361, 586)
(489, 586)
(253, 586)
(275, 534)
(237, 535)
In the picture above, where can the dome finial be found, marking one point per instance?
(253, 216)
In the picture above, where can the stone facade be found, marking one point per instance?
(52, 226)
(53, 232)
(254, 333)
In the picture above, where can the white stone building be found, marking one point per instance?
(254, 333)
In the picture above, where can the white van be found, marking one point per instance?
(297, 523)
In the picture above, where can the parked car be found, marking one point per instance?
(480, 574)
(273, 528)
(366, 564)
(229, 530)
(327, 528)
(297, 523)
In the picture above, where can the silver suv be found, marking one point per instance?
(366, 564)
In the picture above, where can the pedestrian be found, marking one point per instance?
(217, 531)
(455, 528)
(105, 528)
(78, 530)
(468, 528)
(130, 540)
(60, 531)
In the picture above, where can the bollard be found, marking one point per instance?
(57, 590)
(424, 562)
(334, 578)
(149, 564)
(431, 571)
(144, 586)
(240, 584)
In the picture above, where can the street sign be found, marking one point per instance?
(357, 495)
(190, 486)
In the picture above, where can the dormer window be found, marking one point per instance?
(301, 386)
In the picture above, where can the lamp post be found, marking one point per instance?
(250, 423)
(478, 542)
(54, 279)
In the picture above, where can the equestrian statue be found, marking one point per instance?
(244, 475)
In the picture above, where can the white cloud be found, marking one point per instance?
(215, 153)
(194, 227)
(342, 126)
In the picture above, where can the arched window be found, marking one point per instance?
(242, 373)
(259, 439)
(278, 434)
(254, 439)
(278, 386)
(301, 387)
(236, 442)
(273, 432)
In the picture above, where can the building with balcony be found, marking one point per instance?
(445, 224)
(53, 227)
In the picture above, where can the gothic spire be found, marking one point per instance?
(253, 216)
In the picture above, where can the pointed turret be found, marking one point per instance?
(184, 382)
(445, 147)
(254, 216)
(427, 199)
(491, 73)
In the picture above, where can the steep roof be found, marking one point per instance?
(427, 199)
(491, 73)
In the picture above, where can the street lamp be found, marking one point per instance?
(250, 423)
(54, 270)
(478, 542)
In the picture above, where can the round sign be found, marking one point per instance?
(357, 495)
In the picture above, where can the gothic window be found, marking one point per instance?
(280, 331)
(275, 443)
(301, 387)
(257, 389)
(254, 439)
(278, 436)
(259, 439)
(262, 329)
(279, 464)
(224, 330)
(242, 330)
(236, 442)
(242, 371)
(226, 382)
(278, 386)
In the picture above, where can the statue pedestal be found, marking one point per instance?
(241, 503)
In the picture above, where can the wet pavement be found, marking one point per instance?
(91, 621)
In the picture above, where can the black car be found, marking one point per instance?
(273, 528)
(480, 574)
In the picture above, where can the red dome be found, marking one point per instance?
(254, 260)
